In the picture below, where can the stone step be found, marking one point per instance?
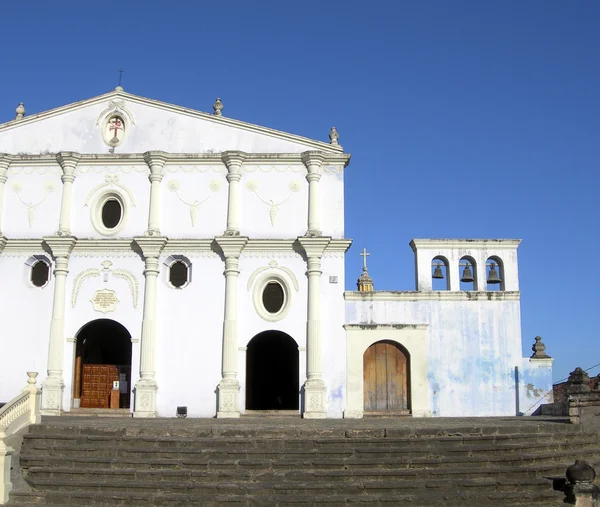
(427, 499)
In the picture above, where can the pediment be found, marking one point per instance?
(120, 122)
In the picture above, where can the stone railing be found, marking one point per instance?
(19, 412)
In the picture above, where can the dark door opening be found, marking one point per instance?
(272, 371)
(386, 367)
(103, 356)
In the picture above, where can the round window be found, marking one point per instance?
(40, 274)
(273, 297)
(111, 213)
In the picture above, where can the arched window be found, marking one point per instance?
(440, 279)
(179, 271)
(468, 274)
(39, 270)
(494, 271)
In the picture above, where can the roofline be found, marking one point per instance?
(494, 244)
(318, 145)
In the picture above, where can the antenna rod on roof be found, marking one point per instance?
(120, 75)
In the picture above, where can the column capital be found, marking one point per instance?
(5, 160)
(233, 159)
(151, 246)
(231, 246)
(68, 161)
(313, 246)
(60, 246)
(3, 242)
(156, 160)
(313, 160)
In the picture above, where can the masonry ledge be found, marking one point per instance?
(432, 296)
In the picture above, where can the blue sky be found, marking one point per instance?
(464, 118)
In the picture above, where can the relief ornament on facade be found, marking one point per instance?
(110, 181)
(294, 186)
(17, 188)
(104, 302)
(175, 185)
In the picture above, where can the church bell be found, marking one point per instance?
(467, 276)
(493, 277)
(437, 272)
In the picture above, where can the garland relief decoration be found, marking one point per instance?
(17, 188)
(174, 186)
(294, 186)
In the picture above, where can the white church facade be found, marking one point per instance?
(169, 261)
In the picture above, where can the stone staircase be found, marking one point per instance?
(272, 462)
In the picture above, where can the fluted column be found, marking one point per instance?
(4, 164)
(146, 387)
(229, 387)
(68, 162)
(233, 161)
(313, 160)
(156, 161)
(314, 387)
(52, 387)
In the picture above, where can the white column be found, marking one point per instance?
(146, 387)
(313, 160)
(52, 387)
(314, 387)
(229, 387)
(4, 164)
(68, 162)
(156, 161)
(233, 161)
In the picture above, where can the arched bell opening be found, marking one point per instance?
(440, 278)
(468, 273)
(494, 271)
(272, 372)
(102, 357)
(386, 378)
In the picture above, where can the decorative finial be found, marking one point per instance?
(333, 137)
(365, 282)
(218, 107)
(118, 88)
(539, 349)
(578, 382)
(20, 111)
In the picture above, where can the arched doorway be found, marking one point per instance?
(386, 369)
(272, 371)
(103, 356)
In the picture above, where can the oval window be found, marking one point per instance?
(112, 213)
(273, 297)
(178, 274)
(40, 273)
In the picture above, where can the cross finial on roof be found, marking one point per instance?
(364, 254)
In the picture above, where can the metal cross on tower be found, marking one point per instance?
(364, 254)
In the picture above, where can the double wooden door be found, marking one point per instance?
(97, 384)
(386, 382)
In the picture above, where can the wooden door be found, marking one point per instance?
(97, 382)
(385, 368)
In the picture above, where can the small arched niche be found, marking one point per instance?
(38, 267)
(468, 273)
(440, 273)
(494, 273)
(179, 271)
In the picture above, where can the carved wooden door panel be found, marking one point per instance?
(97, 381)
(385, 378)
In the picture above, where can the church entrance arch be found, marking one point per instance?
(102, 357)
(272, 372)
(386, 367)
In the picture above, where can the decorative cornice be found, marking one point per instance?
(495, 244)
(383, 327)
(314, 246)
(60, 246)
(432, 296)
(175, 246)
(3, 242)
(318, 145)
(119, 159)
(151, 246)
(231, 245)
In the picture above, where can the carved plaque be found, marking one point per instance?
(104, 300)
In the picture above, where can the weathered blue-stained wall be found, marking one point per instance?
(474, 348)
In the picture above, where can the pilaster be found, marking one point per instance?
(4, 165)
(314, 387)
(68, 161)
(233, 160)
(52, 388)
(229, 386)
(313, 160)
(146, 387)
(156, 161)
